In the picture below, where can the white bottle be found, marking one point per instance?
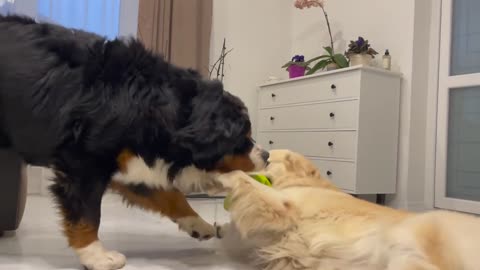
(387, 60)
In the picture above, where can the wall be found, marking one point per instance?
(259, 34)
(128, 18)
(399, 26)
(26, 7)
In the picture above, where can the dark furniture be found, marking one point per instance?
(13, 190)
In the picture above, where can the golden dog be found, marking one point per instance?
(305, 222)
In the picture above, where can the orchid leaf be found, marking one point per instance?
(289, 63)
(316, 58)
(320, 65)
(329, 50)
(340, 60)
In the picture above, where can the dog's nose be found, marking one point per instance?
(265, 155)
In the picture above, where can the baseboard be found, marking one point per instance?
(34, 178)
(417, 207)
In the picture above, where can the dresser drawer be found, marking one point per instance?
(342, 174)
(336, 86)
(334, 115)
(316, 144)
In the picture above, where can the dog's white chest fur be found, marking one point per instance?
(137, 172)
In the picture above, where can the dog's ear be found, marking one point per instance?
(216, 124)
(208, 143)
(300, 166)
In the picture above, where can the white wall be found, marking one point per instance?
(259, 34)
(128, 18)
(26, 7)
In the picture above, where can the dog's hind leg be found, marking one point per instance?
(172, 204)
(257, 209)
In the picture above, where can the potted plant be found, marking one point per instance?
(296, 67)
(330, 60)
(360, 53)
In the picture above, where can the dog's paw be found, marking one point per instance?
(96, 257)
(197, 228)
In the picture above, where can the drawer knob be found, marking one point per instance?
(330, 143)
(332, 115)
(329, 173)
(273, 95)
(333, 86)
(272, 118)
(270, 142)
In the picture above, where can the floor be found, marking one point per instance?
(149, 242)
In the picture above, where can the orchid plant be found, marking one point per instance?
(338, 59)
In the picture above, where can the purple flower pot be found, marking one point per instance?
(296, 71)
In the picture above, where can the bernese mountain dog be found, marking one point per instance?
(109, 114)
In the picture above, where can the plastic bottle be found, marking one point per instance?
(387, 60)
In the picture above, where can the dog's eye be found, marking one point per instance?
(244, 146)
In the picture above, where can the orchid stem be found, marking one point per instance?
(329, 30)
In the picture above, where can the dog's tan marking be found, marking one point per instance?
(80, 234)
(123, 158)
(236, 162)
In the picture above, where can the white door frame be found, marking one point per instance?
(432, 102)
(446, 82)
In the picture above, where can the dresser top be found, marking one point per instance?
(342, 70)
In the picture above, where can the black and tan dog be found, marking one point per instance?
(110, 114)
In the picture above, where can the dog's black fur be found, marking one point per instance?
(72, 101)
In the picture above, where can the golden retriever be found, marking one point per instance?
(305, 222)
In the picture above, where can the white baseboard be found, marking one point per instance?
(34, 180)
(47, 176)
(417, 207)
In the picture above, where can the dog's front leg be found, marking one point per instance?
(79, 201)
(172, 204)
(257, 209)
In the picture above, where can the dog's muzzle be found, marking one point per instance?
(265, 155)
(259, 157)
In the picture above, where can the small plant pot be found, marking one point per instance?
(295, 71)
(360, 59)
(332, 66)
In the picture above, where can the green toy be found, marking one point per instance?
(259, 177)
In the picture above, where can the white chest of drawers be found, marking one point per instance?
(346, 121)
